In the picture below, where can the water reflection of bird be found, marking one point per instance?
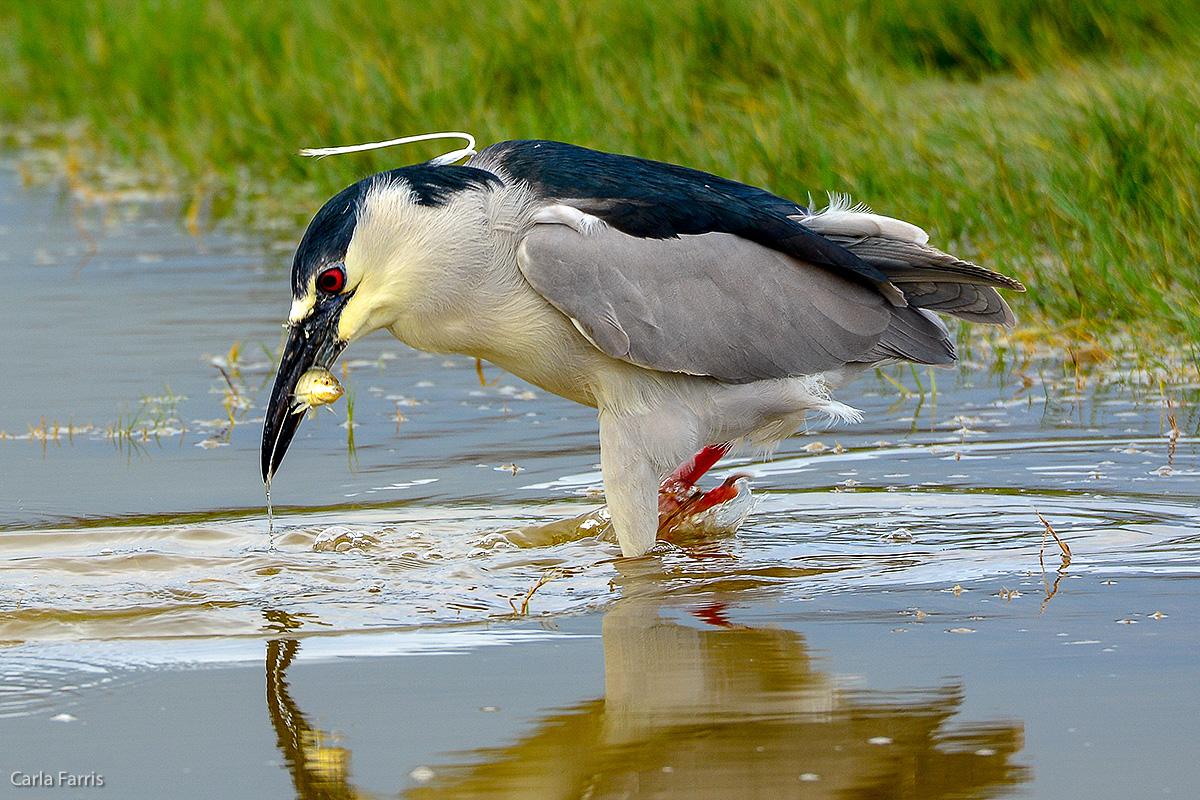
(694, 312)
(320, 768)
(696, 710)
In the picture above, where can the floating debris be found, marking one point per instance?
(422, 774)
(1066, 558)
(547, 576)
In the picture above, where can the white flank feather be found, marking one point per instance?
(839, 218)
(561, 214)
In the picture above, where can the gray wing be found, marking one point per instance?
(716, 304)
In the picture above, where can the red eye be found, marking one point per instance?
(332, 280)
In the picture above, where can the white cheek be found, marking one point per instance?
(361, 315)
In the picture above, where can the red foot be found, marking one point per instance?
(713, 614)
(678, 496)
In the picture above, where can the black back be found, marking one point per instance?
(653, 199)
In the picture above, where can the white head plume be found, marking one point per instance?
(447, 158)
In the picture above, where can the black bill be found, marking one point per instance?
(310, 343)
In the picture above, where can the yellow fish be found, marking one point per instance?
(317, 387)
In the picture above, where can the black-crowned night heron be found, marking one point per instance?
(692, 311)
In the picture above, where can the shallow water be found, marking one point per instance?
(890, 621)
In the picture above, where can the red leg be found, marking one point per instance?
(693, 469)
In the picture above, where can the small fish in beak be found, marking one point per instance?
(316, 387)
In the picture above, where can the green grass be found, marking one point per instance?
(1054, 140)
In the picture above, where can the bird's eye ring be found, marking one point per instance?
(332, 280)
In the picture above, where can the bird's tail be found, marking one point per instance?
(927, 277)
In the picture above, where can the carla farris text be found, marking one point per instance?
(70, 780)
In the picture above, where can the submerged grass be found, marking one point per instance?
(1054, 140)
